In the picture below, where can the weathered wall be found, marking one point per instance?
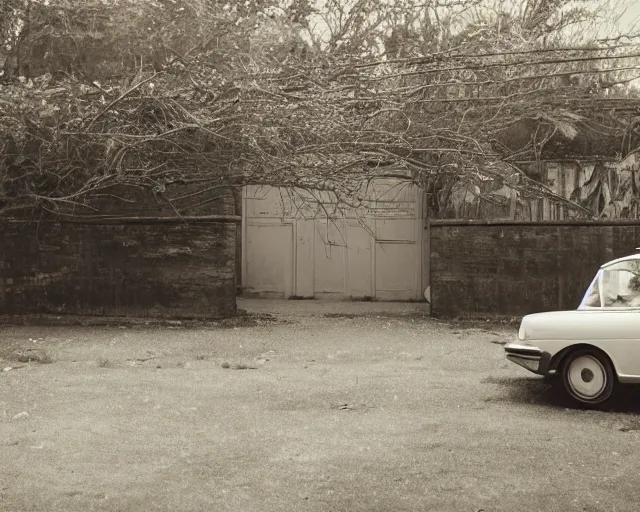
(165, 268)
(516, 269)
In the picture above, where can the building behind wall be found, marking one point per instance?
(597, 172)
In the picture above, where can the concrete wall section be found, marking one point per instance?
(154, 269)
(519, 269)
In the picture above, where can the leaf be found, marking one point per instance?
(567, 129)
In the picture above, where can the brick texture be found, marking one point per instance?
(519, 269)
(168, 269)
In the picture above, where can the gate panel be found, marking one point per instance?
(268, 258)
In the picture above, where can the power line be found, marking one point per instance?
(524, 77)
(500, 64)
(436, 56)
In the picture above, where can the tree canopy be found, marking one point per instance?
(98, 96)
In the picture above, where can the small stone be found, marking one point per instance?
(22, 415)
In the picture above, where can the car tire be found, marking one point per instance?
(588, 377)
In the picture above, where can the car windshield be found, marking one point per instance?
(615, 286)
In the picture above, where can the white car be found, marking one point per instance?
(593, 348)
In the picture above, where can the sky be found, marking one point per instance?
(630, 21)
(633, 13)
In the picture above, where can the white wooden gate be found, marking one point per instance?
(292, 248)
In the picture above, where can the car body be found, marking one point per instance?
(594, 347)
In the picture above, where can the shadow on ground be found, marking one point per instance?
(538, 391)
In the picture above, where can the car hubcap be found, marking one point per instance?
(587, 377)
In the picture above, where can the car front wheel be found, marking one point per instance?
(588, 377)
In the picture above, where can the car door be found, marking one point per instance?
(616, 325)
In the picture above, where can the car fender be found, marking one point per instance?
(558, 358)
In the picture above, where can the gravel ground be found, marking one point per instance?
(316, 414)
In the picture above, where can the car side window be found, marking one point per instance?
(621, 285)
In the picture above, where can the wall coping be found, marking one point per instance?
(543, 223)
(109, 219)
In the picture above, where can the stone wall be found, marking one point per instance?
(519, 268)
(125, 267)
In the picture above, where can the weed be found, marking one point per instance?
(35, 356)
(243, 366)
(46, 358)
(239, 366)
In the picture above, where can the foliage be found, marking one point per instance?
(106, 95)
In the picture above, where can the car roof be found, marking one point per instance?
(624, 258)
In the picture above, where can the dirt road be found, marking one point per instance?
(323, 414)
